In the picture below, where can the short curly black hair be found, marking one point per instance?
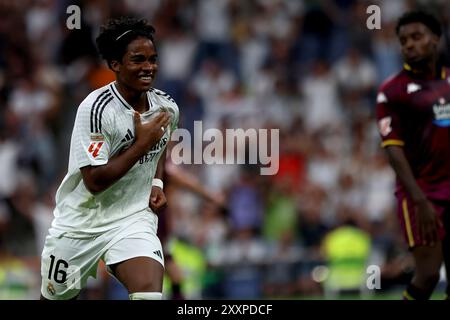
(421, 16)
(116, 34)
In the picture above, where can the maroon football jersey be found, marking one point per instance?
(415, 113)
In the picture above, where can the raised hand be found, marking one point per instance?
(149, 133)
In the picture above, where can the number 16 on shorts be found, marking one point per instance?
(60, 272)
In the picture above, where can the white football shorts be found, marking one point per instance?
(68, 261)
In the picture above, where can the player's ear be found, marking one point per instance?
(115, 65)
(435, 39)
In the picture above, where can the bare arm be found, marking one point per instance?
(99, 178)
(158, 199)
(190, 182)
(427, 219)
(404, 173)
(159, 174)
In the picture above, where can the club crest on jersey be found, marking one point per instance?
(412, 87)
(51, 289)
(442, 113)
(384, 125)
(167, 109)
(94, 148)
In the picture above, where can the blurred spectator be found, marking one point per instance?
(378, 199)
(42, 217)
(322, 105)
(281, 272)
(244, 202)
(9, 153)
(176, 53)
(241, 259)
(356, 75)
(386, 52)
(346, 250)
(280, 217)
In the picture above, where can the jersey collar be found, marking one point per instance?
(407, 67)
(124, 103)
(119, 97)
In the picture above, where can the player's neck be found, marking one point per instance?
(425, 70)
(136, 99)
(431, 69)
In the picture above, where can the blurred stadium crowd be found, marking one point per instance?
(308, 67)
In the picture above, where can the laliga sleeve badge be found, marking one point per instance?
(94, 148)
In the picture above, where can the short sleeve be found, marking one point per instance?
(389, 125)
(91, 137)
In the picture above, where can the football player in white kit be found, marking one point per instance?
(106, 204)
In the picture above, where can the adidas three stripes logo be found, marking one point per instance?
(129, 136)
(158, 253)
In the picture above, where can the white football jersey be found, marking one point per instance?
(103, 127)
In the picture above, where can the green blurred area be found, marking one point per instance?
(394, 295)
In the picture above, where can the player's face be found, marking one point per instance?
(139, 65)
(418, 43)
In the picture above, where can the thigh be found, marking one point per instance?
(140, 274)
(408, 222)
(66, 264)
(135, 256)
(137, 261)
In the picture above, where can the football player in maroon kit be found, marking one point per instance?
(413, 114)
